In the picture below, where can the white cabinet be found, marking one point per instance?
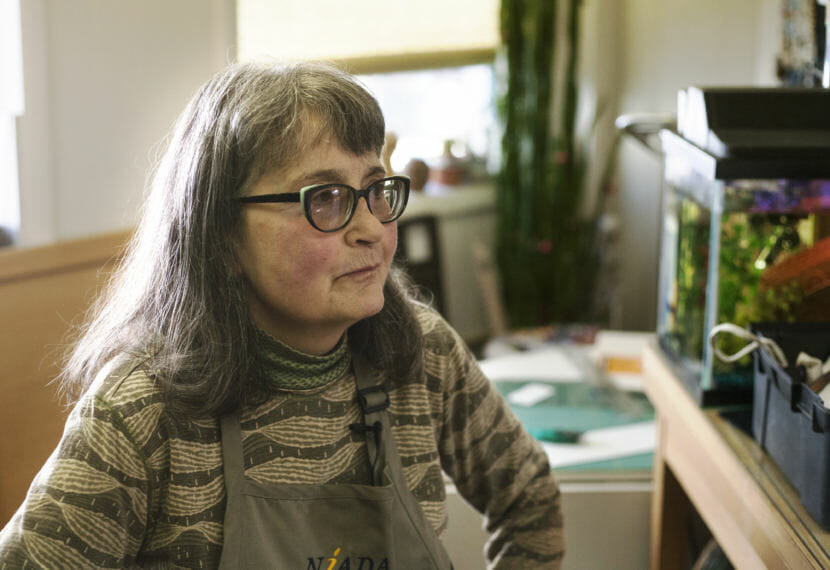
(463, 216)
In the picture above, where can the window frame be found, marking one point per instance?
(390, 63)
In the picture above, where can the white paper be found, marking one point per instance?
(531, 394)
(552, 364)
(604, 444)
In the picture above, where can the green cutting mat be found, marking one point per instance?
(576, 407)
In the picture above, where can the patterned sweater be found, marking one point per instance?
(133, 485)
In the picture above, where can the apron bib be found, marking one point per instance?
(329, 527)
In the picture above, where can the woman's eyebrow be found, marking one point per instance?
(375, 170)
(332, 175)
(318, 177)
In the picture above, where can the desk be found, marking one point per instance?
(608, 499)
(704, 460)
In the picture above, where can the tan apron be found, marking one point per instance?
(329, 527)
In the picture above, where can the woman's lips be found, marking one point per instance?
(361, 272)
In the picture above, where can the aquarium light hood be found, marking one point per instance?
(776, 122)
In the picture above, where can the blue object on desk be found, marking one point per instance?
(556, 435)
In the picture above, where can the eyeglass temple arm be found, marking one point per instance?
(269, 198)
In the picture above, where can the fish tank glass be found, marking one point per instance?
(745, 240)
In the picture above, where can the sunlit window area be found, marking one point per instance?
(11, 105)
(432, 77)
(430, 109)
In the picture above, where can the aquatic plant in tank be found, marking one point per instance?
(741, 266)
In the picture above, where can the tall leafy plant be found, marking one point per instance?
(544, 247)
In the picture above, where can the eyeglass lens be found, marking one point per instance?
(331, 207)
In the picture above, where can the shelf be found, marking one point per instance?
(705, 460)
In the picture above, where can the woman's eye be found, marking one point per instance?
(329, 198)
(329, 195)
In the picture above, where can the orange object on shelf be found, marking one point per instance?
(810, 267)
(623, 364)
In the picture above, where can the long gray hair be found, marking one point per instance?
(177, 302)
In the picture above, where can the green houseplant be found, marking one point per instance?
(544, 246)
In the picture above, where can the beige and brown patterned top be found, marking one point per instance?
(132, 485)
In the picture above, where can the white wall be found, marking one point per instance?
(103, 83)
(665, 46)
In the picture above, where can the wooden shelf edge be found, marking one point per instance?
(743, 518)
(17, 264)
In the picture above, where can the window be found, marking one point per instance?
(427, 108)
(11, 106)
(428, 63)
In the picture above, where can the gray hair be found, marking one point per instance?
(176, 301)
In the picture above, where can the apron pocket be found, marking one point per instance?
(320, 527)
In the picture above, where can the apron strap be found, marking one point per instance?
(234, 470)
(371, 394)
(232, 459)
(373, 400)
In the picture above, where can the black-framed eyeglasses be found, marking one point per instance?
(330, 207)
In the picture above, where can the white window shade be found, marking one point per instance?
(367, 30)
(11, 58)
(11, 106)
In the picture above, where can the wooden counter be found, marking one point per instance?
(44, 291)
(705, 461)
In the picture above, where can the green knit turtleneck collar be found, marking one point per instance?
(291, 369)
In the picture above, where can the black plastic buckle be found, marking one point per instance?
(374, 399)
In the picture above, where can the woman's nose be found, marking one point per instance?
(364, 226)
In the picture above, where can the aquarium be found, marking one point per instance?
(745, 238)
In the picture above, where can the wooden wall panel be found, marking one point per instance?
(43, 291)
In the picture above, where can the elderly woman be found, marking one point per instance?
(258, 389)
